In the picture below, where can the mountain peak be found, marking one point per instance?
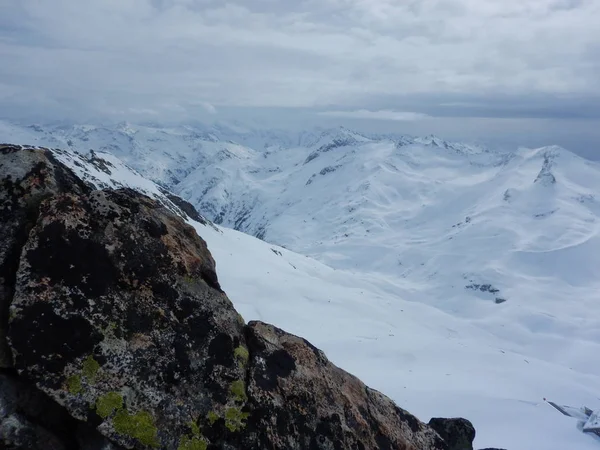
(457, 246)
(125, 127)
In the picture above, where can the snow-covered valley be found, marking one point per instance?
(458, 281)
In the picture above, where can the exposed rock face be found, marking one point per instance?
(117, 305)
(299, 400)
(31, 420)
(118, 321)
(26, 177)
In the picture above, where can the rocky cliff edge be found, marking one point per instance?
(115, 333)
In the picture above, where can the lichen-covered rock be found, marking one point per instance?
(300, 400)
(458, 433)
(26, 177)
(118, 315)
(118, 321)
(29, 420)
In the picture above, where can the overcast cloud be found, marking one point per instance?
(367, 61)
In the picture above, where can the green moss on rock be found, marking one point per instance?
(238, 391)
(192, 443)
(195, 428)
(90, 369)
(74, 384)
(212, 417)
(108, 403)
(235, 419)
(139, 426)
(241, 354)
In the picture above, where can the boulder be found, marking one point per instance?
(458, 433)
(118, 315)
(113, 314)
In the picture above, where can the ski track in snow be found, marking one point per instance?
(406, 301)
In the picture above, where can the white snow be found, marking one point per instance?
(593, 423)
(430, 362)
(410, 247)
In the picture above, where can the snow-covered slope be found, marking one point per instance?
(493, 366)
(493, 237)
(164, 155)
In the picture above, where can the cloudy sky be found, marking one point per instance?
(513, 71)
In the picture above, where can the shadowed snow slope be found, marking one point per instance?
(461, 282)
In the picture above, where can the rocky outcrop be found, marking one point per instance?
(26, 178)
(299, 400)
(458, 433)
(114, 320)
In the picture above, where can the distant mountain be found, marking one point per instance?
(463, 281)
(116, 333)
(447, 221)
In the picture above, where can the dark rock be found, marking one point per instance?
(26, 178)
(329, 169)
(94, 323)
(88, 438)
(30, 420)
(17, 432)
(459, 434)
(121, 337)
(186, 207)
(483, 288)
(312, 156)
(299, 400)
(545, 176)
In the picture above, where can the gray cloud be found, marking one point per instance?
(376, 115)
(492, 104)
(182, 59)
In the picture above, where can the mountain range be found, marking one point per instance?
(450, 276)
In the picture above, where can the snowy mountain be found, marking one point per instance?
(459, 281)
(453, 225)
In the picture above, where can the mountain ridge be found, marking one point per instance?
(119, 335)
(455, 356)
(402, 206)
